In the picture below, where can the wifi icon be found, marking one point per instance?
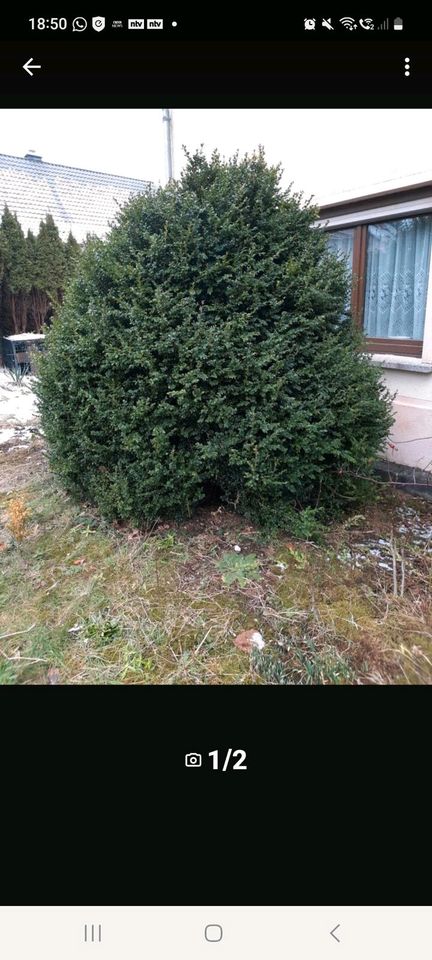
(349, 23)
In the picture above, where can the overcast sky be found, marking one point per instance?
(324, 152)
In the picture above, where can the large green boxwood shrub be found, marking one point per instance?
(201, 348)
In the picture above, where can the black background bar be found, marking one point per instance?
(224, 23)
(213, 73)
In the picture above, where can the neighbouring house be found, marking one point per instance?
(81, 201)
(385, 236)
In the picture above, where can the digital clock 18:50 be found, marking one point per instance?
(48, 23)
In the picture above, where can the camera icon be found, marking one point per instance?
(193, 760)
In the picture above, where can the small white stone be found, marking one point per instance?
(237, 548)
(257, 640)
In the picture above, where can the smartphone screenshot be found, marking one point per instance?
(215, 483)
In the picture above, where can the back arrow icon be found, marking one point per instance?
(333, 934)
(30, 66)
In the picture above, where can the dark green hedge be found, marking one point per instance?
(34, 271)
(201, 347)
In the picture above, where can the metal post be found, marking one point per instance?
(169, 146)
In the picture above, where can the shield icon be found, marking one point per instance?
(98, 23)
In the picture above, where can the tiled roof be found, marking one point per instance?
(83, 201)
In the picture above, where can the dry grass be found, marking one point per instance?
(83, 602)
(18, 517)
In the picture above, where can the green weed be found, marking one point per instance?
(236, 568)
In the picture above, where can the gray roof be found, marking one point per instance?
(83, 201)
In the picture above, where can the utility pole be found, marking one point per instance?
(169, 146)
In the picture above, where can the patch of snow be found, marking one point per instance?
(406, 511)
(17, 435)
(425, 534)
(18, 402)
(25, 337)
(6, 434)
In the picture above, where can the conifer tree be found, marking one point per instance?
(31, 251)
(15, 270)
(202, 347)
(50, 259)
(72, 252)
(33, 318)
(3, 324)
(49, 271)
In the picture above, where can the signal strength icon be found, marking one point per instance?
(349, 23)
(385, 25)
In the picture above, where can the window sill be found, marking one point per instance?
(392, 362)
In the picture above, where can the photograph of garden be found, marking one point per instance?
(215, 418)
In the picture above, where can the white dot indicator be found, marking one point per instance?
(174, 23)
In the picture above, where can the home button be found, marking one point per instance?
(213, 932)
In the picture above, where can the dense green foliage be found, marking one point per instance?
(72, 251)
(15, 268)
(201, 351)
(34, 272)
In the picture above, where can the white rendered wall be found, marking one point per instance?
(410, 441)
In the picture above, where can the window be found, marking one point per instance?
(342, 242)
(390, 267)
(397, 272)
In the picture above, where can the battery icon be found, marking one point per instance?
(398, 24)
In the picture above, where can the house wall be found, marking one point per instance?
(410, 441)
(409, 378)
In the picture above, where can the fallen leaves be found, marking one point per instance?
(134, 534)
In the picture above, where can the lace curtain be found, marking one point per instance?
(397, 273)
(341, 242)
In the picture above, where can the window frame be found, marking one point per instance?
(377, 345)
